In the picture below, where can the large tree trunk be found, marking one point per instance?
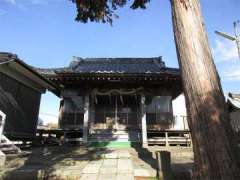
(214, 143)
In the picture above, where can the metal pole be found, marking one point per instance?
(235, 24)
(236, 36)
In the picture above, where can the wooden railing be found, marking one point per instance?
(170, 138)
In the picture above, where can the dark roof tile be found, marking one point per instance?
(5, 56)
(112, 65)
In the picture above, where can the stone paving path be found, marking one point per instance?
(114, 166)
(91, 163)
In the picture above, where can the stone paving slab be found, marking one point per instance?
(110, 162)
(107, 177)
(124, 155)
(69, 174)
(125, 177)
(89, 177)
(91, 168)
(116, 165)
(79, 164)
(142, 173)
(99, 161)
(111, 155)
(108, 170)
(125, 166)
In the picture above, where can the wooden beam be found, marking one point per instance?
(86, 118)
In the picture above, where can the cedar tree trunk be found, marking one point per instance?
(214, 143)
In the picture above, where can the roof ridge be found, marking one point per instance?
(78, 60)
(99, 59)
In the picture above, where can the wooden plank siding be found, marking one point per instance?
(21, 105)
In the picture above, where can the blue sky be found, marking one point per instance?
(43, 33)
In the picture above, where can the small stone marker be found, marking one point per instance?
(164, 164)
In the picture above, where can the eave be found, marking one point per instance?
(20, 67)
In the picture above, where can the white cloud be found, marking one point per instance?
(225, 50)
(232, 73)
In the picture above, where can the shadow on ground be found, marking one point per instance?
(50, 162)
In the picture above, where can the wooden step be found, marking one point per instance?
(8, 147)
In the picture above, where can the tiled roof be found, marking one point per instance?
(5, 57)
(9, 58)
(234, 100)
(112, 65)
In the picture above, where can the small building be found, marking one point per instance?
(112, 95)
(180, 113)
(20, 94)
(233, 102)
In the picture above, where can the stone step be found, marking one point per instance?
(113, 138)
(8, 147)
(107, 139)
(108, 131)
(9, 150)
(117, 136)
(110, 144)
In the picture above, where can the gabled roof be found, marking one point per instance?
(112, 66)
(83, 72)
(12, 61)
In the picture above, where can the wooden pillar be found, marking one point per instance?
(92, 114)
(86, 118)
(61, 112)
(166, 139)
(144, 122)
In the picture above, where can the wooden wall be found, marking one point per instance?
(72, 111)
(235, 120)
(21, 105)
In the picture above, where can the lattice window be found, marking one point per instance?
(159, 111)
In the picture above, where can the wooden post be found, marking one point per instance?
(116, 115)
(92, 114)
(166, 138)
(164, 165)
(144, 123)
(2, 123)
(86, 118)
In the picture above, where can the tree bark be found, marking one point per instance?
(214, 143)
